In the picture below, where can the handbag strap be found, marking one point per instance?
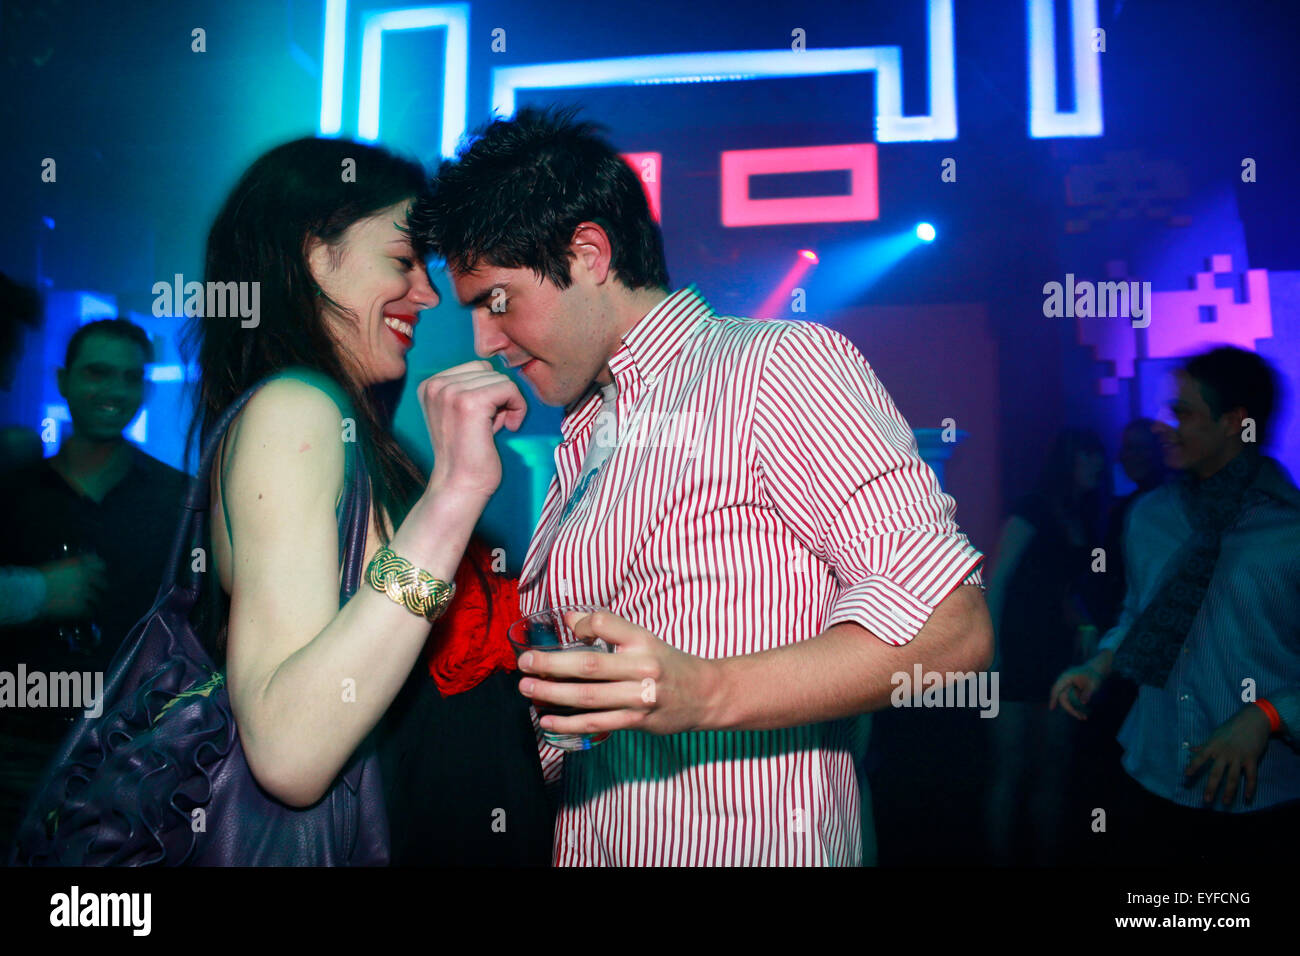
(354, 513)
(354, 524)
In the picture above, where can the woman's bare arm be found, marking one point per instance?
(307, 679)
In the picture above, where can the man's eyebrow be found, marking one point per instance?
(485, 295)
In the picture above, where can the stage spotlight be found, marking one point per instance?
(925, 232)
(778, 302)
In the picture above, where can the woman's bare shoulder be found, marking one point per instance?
(297, 423)
(302, 391)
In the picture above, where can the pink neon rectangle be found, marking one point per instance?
(738, 165)
(649, 169)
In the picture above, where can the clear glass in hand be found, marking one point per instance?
(545, 632)
(82, 636)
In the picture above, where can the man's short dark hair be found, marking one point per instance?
(119, 328)
(1235, 378)
(514, 196)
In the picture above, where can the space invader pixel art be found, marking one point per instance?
(1207, 315)
(1182, 322)
(1124, 186)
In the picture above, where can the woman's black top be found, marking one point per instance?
(462, 776)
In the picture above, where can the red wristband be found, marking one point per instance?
(1274, 721)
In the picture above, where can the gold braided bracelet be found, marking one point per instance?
(414, 588)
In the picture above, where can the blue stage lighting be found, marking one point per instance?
(925, 232)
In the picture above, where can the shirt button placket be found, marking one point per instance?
(1186, 724)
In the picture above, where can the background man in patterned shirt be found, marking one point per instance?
(768, 544)
(1208, 633)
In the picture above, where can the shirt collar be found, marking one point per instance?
(136, 471)
(648, 348)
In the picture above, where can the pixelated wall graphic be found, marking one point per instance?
(1124, 187)
(1212, 312)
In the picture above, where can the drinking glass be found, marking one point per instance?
(546, 633)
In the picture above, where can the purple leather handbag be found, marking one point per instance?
(160, 777)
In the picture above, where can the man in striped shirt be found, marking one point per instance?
(742, 496)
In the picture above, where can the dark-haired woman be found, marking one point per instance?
(1043, 600)
(319, 225)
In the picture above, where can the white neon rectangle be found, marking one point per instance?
(454, 17)
(1045, 120)
(885, 61)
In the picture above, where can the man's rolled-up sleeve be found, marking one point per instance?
(840, 464)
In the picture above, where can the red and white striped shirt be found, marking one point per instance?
(764, 488)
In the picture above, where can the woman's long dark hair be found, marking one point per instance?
(303, 190)
(1057, 485)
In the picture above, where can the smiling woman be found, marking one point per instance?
(377, 285)
(342, 285)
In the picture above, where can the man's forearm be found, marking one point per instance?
(846, 670)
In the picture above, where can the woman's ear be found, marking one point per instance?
(321, 260)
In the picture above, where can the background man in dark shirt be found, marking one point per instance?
(115, 509)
